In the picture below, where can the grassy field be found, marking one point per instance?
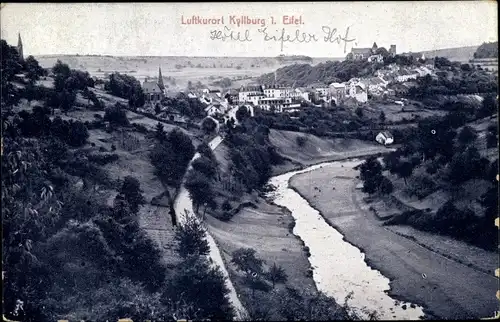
(404, 254)
(396, 113)
(132, 149)
(316, 149)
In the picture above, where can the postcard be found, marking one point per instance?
(249, 161)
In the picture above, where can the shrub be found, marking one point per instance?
(116, 115)
(385, 186)
(103, 159)
(301, 140)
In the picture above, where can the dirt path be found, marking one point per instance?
(184, 206)
(450, 289)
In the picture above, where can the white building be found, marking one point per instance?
(337, 92)
(357, 90)
(376, 58)
(245, 92)
(384, 138)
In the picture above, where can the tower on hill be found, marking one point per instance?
(160, 80)
(20, 47)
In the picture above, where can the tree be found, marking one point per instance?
(116, 114)
(61, 69)
(203, 287)
(226, 206)
(160, 132)
(301, 140)
(127, 87)
(131, 190)
(33, 70)
(191, 238)
(371, 168)
(466, 136)
(78, 134)
(491, 136)
(171, 157)
(209, 125)
(242, 113)
(255, 282)
(385, 186)
(489, 106)
(205, 166)
(276, 274)
(392, 161)
(199, 188)
(246, 261)
(382, 117)
(359, 112)
(157, 108)
(405, 170)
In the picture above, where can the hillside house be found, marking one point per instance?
(337, 92)
(357, 90)
(232, 97)
(322, 90)
(376, 59)
(384, 138)
(404, 75)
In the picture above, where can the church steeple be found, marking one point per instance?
(160, 80)
(20, 46)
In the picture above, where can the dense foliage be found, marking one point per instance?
(68, 254)
(127, 87)
(487, 50)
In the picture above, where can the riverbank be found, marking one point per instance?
(267, 230)
(446, 288)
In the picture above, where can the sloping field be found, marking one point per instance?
(316, 150)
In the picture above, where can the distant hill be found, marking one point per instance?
(487, 50)
(461, 54)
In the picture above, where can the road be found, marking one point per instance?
(184, 206)
(450, 289)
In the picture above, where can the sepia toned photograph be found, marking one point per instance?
(272, 161)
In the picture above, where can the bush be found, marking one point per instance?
(209, 125)
(103, 159)
(385, 186)
(291, 226)
(421, 186)
(116, 115)
(226, 206)
(301, 140)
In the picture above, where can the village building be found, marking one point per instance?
(243, 95)
(154, 90)
(337, 92)
(357, 90)
(384, 138)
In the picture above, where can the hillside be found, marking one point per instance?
(327, 72)
(461, 54)
(487, 50)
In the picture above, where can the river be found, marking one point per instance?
(184, 205)
(339, 267)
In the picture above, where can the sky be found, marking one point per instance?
(157, 29)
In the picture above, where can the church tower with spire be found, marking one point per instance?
(20, 47)
(160, 80)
